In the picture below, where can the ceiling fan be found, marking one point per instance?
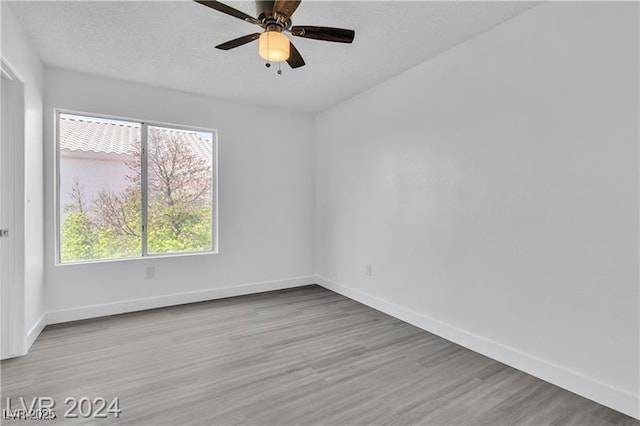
(275, 18)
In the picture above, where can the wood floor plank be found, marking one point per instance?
(303, 356)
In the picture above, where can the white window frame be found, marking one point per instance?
(144, 125)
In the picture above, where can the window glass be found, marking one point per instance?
(180, 190)
(99, 189)
(128, 189)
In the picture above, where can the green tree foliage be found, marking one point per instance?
(78, 235)
(178, 215)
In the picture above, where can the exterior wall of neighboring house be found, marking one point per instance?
(94, 171)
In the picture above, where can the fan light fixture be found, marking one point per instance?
(273, 46)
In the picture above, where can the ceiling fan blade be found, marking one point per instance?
(339, 35)
(238, 41)
(285, 7)
(295, 59)
(221, 7)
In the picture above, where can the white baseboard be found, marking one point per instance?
(133, 305)
(610, 396)
(35, 331)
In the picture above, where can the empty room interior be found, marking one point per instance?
(320, 212)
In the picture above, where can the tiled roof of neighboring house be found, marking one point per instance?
(85, 134)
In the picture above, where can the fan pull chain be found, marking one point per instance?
(279, 72)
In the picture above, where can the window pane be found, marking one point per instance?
(100, 198)
(179, 169)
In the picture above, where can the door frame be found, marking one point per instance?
(12, 180)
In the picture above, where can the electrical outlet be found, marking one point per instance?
(368, 270)
(150, 272)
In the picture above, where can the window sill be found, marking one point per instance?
(137, 259)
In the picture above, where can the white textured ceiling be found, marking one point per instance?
(171, 44)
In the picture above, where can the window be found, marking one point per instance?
(130, 189)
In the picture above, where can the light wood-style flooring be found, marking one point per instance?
(302, 356)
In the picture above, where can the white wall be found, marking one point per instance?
(18, 52)
(266, 196)
(494, 190)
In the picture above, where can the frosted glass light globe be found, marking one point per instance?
(273, 46)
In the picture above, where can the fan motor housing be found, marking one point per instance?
(264, 7)
(269, 20)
